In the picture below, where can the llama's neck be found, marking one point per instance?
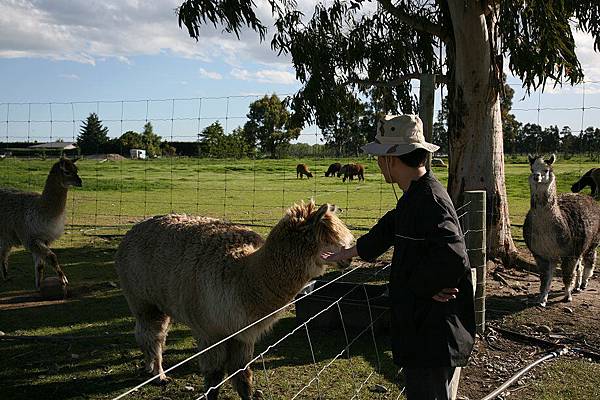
(54, 196)
(277, 274)
(544, 197)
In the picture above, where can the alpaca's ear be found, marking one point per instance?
(335, 209)
(320, 213)
(551, 160)
(531, 159)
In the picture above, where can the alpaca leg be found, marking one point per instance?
(38, 262)
(212, 366)
(546, 270)
(578, 276)
(569, 266)
(4, 252)
(589, 259)
(40, 249)
(240, 354)
(151, 329)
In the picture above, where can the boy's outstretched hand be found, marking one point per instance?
(341, 255)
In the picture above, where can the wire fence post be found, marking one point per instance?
(475, 241)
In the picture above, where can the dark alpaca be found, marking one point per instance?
(333, 169)
(591, 179)
(560, 228)
(351, 170)
(302, 169)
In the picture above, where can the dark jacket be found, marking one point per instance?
(429, 255)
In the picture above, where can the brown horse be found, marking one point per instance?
(351, 170)
(302, 169)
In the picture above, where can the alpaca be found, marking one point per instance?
(302, 169)
(591, 179)
(218, 278)
(36, 220)
(350, 170)
(333, 169)
(563, 228)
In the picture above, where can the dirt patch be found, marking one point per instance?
(105, 157)
(510, 306)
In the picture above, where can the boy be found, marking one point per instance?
(433, 317)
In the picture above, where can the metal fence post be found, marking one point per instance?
(474, 228)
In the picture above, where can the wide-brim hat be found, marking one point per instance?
(398, 135)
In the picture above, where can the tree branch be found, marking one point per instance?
(417, 23)
(443, 79)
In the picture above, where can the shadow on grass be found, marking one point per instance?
(108, 361)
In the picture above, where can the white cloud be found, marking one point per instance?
(86, 32)
(210, 74)
(265, 76)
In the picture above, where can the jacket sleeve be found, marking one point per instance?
(381, 236)
(444, 262)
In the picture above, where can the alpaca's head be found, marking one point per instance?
(542, 175)
(66, 172)
(310, 230)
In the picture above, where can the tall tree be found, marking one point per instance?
(350, 128)
(150, 140)
(510, 125)
(271, 126)
(131, 140)
(93, 136)
(215, 143)
(348, 46)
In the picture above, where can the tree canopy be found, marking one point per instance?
(93, 136)
(270, 125)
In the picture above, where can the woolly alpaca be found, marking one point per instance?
(36, 220)
(333, 169)
(302, 169)
(563, 228)
(217, 278)
(591, 179)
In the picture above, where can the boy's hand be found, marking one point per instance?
(341, 255)
(446, 295)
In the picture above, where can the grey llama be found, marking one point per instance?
(217, 278)
(35, 220)
(560, 228)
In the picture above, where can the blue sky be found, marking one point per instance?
(111, 56)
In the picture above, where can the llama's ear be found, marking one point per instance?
(320, 213)
(551, 160)
(531, 159)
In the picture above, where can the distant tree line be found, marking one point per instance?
(271, 128)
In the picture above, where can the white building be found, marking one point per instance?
(137, 153)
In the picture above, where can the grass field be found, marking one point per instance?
(117, 194)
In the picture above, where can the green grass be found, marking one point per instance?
(117, 194)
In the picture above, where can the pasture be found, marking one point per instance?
(101, 359)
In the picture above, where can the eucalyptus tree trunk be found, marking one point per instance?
(475, 127)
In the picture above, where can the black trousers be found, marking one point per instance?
(428, 383)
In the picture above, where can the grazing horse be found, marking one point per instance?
(302, 169)
(333, 169)
(351, 170)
